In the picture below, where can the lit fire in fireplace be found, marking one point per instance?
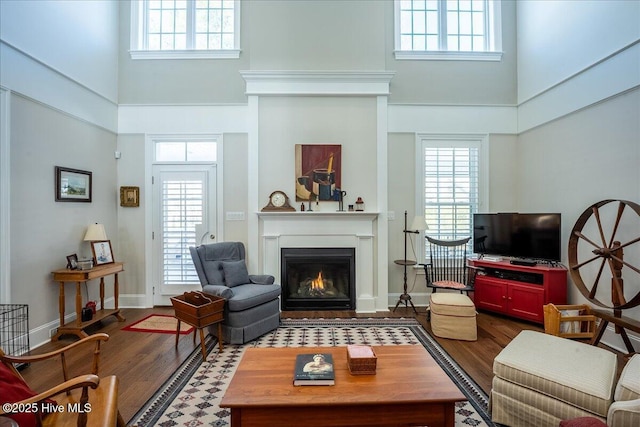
(317, 284)
(318, 287)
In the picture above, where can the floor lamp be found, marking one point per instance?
(418, 224)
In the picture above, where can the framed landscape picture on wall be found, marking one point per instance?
(73, 185)
(318, 171)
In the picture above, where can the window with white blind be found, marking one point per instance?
(448, 29)
(166, 29)
(452, 177)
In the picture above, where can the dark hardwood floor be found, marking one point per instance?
(143, 361)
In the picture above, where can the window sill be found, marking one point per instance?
(447, 56)
(185, 54)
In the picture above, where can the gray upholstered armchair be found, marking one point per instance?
(252, 307)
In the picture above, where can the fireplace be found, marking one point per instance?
(318, 278)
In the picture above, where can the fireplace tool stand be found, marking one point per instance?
(405, 297)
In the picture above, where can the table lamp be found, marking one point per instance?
(95, 232)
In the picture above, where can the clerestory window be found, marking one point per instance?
(448, 29)
(165, 29)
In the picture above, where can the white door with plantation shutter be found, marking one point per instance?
(184, 205)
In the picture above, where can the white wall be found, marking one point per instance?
(557, 39)
(58, 62)
(78, 39)
(319, 35)
(579, 142)
(43, 231)
(131, 233)
(346, 121)
(316, 34)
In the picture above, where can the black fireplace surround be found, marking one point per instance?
(318, 278)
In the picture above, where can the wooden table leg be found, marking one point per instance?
(79, 304)
(116, 294)
(449, 414)
(236, 417)
(61, 308)
(204, 350)
(220, 335)
(102, 293)
(177, 332)
(61, 304)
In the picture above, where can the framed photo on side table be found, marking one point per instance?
(102, 252)
(72, 262)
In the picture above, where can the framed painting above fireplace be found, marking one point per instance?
(318, 171)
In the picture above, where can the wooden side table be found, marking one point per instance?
(192, 309)
(77, 326)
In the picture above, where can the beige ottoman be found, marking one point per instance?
(453, 316)
(540, 380)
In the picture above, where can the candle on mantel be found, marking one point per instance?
(330, 166)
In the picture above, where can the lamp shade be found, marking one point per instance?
(419, 224)
(95, 232)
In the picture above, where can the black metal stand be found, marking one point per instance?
(405, 297)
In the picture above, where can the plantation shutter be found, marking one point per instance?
(182, 210)
(450, 189)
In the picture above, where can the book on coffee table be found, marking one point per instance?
(314, 369)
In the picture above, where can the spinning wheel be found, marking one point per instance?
(596, 251)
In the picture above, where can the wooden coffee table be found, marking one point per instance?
(409, 388)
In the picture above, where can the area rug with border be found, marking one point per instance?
(190, 397)
(159, 323)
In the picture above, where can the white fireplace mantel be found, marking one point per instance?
(325, 230)
(366, 231)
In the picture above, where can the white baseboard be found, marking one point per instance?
(132, 301)
(419, 299)
(613, 340)
(40, 335)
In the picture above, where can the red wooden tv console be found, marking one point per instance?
(517, 290)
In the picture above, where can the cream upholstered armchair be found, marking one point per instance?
(625, 410)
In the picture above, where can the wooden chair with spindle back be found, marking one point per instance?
(447, 267)
(79, 401)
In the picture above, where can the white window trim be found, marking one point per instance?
(138, 35)
(450, 140)
(431, 55)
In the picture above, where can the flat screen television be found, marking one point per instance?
(519, 235)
